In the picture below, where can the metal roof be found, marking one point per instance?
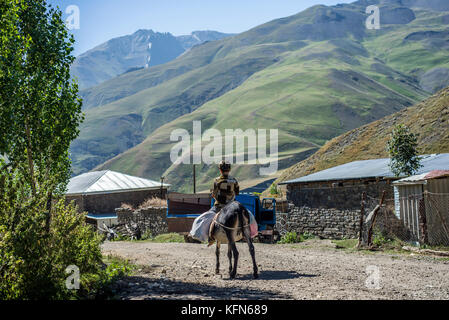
(101, 216)
(375, 168)
(108, 181)
(422, 178)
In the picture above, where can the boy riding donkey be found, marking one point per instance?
(224, 191)
(228, 221)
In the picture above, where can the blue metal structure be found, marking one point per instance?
(264, 217)
(182, 209)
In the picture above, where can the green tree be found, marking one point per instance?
(32, 259)
(40, 110)
(403, 150)
(39, 117)
(274, 189)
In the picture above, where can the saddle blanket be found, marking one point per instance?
(201, 225)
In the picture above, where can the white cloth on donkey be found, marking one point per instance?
(201, 225)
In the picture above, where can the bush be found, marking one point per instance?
(290, 237)
(274, 189)
(36, 247)
(293, 237)
(306, 236)
(385, 241)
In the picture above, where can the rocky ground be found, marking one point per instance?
(314, 269)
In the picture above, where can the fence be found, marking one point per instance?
(421, 217)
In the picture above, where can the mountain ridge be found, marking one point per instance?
(142, 49)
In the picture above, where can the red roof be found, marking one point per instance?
(437, 174)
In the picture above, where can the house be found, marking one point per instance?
(422, 203)
(100, 192)
(341, 187)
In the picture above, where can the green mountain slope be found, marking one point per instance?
(313, 76)
(430, 119)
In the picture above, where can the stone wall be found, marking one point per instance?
(107, 202)
(325, 223)
(153, 220)
(339, 224)
(341, 195)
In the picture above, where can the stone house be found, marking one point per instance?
(341, 187)
(327, 203)
(99, 193)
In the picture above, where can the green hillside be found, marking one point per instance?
(429, 119)
(313, 76)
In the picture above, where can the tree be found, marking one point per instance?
(40, 110)
(403, 150)
(39, 117)
(274, 189)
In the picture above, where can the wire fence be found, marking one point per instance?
(421, 218)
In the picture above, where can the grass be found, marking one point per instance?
(118, 266)
(346, 243)
(166, 238)
(293, 237)
(380, 243)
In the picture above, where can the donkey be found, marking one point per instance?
(231, 224)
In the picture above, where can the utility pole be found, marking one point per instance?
(162, 186)
(194, 178)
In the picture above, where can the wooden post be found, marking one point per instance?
(375, 211)
(362, 218)
(423, 221)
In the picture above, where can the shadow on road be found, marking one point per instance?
(278, 275)
(152, 289)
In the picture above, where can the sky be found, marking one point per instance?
(102, 20)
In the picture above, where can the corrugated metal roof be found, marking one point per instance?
(421, 178)
(108, 181)
(437, 174)
(375, 168)
(412, 179)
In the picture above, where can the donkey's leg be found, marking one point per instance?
(232, 251)
(235, 253)
(217, 254)
(247, 233)
(230, 257)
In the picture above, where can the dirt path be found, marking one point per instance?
(311, 270)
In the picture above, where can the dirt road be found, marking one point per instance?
(314, 269)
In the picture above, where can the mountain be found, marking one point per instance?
(313, 76)
(144, 48)
(199, 37)
(429, 119)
